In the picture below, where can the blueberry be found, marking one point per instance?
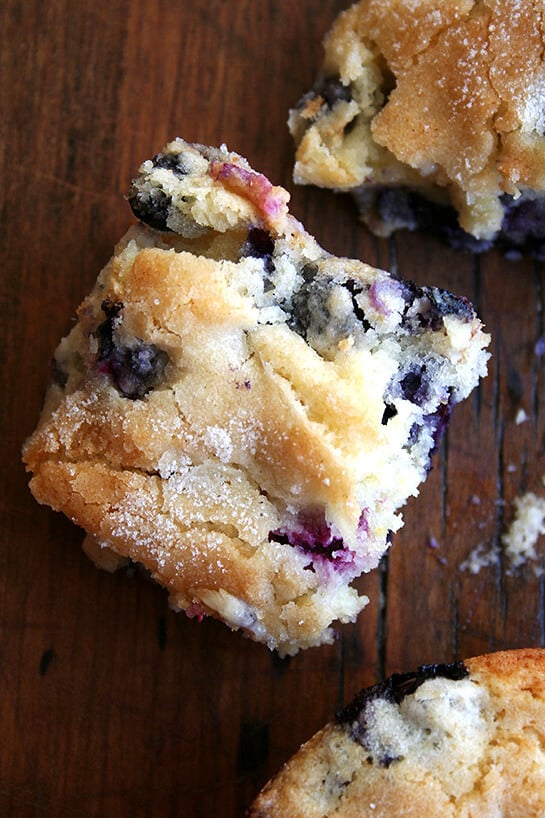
(439, 421)
(389, 412)
(523, 226)
(309, 305)
(355, 289)
(415, 386)
(328, 91)
(138, 369)
(105, 331)
(397, 205)
(522, 230)
(394, 689)
(135, 368)
(427, 306)
(312, 534)
(171, 161)
(412, 384)
(151, 207)
(444, 303)
(259, 244)
(407, 209)
(332, 90)
(311, 313)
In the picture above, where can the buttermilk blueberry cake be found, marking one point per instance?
(433, 115)
(464, 740)
(241, 412)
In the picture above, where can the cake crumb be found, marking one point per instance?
(480, 557)
(528, 525)
(518, 541)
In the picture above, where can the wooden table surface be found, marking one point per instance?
(111, 705)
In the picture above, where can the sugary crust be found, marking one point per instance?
(242, 413)
(445, 95)
(498, 768)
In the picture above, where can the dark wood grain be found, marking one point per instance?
(110, 704)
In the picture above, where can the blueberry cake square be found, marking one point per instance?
(432, 115)
(457, 740)
(241, 412)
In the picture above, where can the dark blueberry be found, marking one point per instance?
(105, 331)
(439, 421)
(414, 434)
(111, 309)
(522, 230)
(171, 161)
(389, 412)
(397, 205)
(312, 534)
(355, 289)
(394, 689)
(523, 227)
(259, 244)
(458, 239)
(409, 210)
(309, 306)
(151, 207)
(421, 213)
(135, 368)
(445, 303)
(310, 310)
(330, 89)
(415, 385)
(432, 304)
(398, 685)
(309, 273)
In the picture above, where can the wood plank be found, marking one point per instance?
(111, 704)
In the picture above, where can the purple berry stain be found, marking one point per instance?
(312, 534)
